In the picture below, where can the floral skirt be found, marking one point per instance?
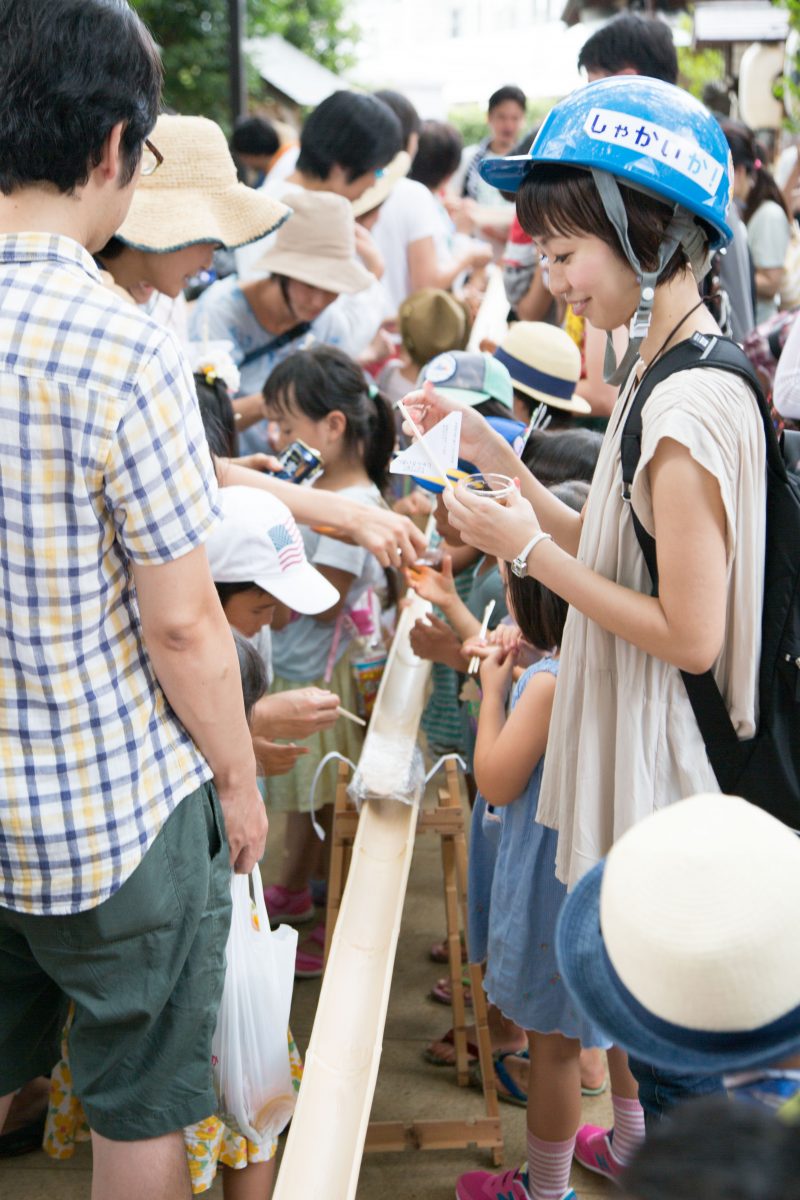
(209, 1143)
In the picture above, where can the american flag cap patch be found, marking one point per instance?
(288, 544)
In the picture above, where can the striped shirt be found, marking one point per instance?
(103, 463)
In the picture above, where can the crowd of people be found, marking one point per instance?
(203, 553)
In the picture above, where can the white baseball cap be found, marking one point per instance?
(258, 541)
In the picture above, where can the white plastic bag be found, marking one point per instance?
(250, 1050)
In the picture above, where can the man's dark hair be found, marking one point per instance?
(357, 132)
(509, 92)
(72, 69)
(254, 135)
(631, 41)
(720, 1149)
(404, 110)
(438, 154)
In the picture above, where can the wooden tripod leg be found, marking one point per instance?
(451, 905)
(341, 840)
(479, 1008)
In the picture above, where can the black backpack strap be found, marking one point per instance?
(700, 350)
(276, 344)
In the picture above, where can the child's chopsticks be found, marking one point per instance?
(475, 661)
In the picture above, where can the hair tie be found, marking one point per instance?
(757, 165)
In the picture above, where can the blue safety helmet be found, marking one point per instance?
(653, 137)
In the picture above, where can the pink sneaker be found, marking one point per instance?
(309, 959)
(295, 908)
(593, 1150)
(485, 1185)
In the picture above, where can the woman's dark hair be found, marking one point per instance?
(216, 412)
(539, 612)
(254, 135)
(493, 408)
(72, 70)
(720, 1149)
(631, 41)
(251, 669)
(323, 380)
(438, 154)
(556, 201)
(558, 418)
(509, 92)
(404, 110)
(565, 454)
(356, 132)
(746, 152)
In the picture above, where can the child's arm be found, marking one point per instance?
(507, 750)
(439, 588)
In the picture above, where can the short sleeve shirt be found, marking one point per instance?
(623, 738)
(103, 463)
(408, 215)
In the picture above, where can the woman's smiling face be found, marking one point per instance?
(587, 273)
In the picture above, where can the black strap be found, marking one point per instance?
(698, 351)
(276, 344)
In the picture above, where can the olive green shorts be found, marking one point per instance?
(145, 970)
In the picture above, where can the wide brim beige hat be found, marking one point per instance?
(317, 245)
(683, 947)
(380, 190)
(194, 195)
(544, 363)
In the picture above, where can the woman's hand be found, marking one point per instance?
(394, 540)
(480, 444)
(497, 529)
(276, 759)
(497, 673)
(436, 586)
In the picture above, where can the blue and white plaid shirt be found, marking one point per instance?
(103, 462)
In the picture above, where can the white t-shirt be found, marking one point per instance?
(786, 392)
(300, 650)
(408, 215)
(768, 232)
(623, 738)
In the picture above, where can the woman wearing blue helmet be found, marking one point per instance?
(625, 192)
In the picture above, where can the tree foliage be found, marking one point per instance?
(194, 40)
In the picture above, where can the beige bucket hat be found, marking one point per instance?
(318, 244)
(544, 362)
(397, 169)
(195, 195)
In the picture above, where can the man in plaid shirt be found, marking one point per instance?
(120, 696)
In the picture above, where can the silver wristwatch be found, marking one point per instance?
(519, 565)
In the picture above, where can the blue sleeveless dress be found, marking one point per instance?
(522, 977)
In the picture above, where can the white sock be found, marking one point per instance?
(628, 1132)
(549, 1166)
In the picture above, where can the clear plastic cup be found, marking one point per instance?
(490, 485)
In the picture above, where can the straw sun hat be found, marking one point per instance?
(684, 945)
(544, 362)
(194, 195)
(318, 244)
(397, 169)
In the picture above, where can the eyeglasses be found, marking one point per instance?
(151, 158)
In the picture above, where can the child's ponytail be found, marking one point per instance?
(379, 445)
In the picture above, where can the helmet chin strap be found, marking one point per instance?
(682, 230)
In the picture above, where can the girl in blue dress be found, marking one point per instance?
(522, 976)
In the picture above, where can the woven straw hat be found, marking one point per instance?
(318, 244)
(194, 195)
(544, 362)
(432, 321)
(397, 169)
(684, 945)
